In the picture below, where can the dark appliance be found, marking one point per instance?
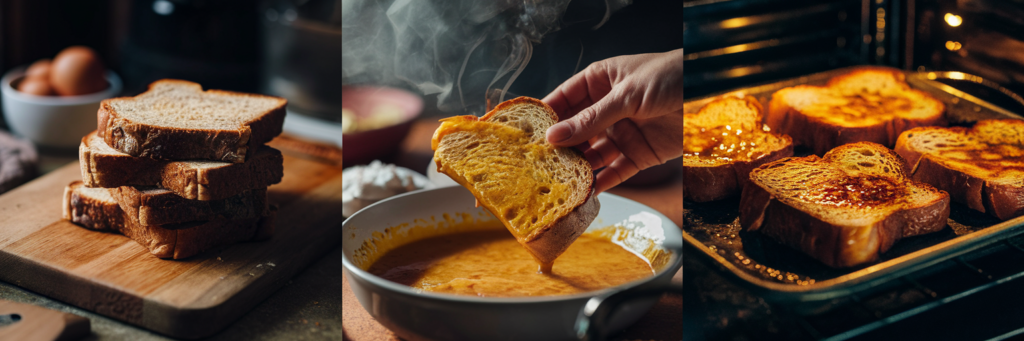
(214, 43)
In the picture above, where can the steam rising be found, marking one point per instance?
(456, 49)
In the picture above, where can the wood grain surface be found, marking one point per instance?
(192, 298)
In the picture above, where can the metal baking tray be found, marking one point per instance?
(780, 274)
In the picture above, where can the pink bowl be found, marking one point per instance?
(365, 146)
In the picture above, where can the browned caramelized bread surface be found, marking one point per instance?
(871, 104)
(543, 194)
(843, 209)
(722, 142)
(982, 167)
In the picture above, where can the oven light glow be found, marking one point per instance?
(953, 45)
(735, 23)
(957, 75)
(953, 19)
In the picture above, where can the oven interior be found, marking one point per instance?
(741, 43)
(734, 43)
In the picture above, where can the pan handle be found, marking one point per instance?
(594, 318)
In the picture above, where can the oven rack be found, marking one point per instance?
(919, 292)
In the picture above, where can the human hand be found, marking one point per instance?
(629, 109)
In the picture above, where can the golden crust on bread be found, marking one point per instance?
(982, 167)
(873, 104)
(723, 141)
(843, 209)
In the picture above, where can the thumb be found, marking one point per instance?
(588, 122)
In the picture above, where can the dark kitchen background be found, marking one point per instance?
(732, 43)
(741, 43)
(534, 44)
(458, 55)
(285, 48)
(288, 48)
(640, 27)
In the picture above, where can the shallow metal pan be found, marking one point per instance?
(780, 274)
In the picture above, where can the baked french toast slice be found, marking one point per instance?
(843, 209)
(873, 104)
(982, 167)
(723, 141)
(543, 194)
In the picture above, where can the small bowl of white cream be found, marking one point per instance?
(364, 185)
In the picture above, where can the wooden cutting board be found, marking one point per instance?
(192, 298)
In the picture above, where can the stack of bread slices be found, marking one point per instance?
(180, 170)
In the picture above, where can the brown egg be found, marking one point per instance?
(77, 70)
(41, 68)
(35, 86)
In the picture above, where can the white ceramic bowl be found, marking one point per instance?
(52, 121)
(416, 315)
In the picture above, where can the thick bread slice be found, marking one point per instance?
(177, 120)
(544, 195)
(158, 206)
(723, 142)
(844, 209)
(92, 208)
(871, 104)
(103, 166)
(982, 167)
(96, 209)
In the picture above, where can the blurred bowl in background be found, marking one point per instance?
(364, 103)
(52, 121)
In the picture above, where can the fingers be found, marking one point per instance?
(623, 152)
(562, 100)
(618, 171)
(590, 121)
(579, 91)
(595, 159)
(628, 138)
(602, 152)
(628, 126)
